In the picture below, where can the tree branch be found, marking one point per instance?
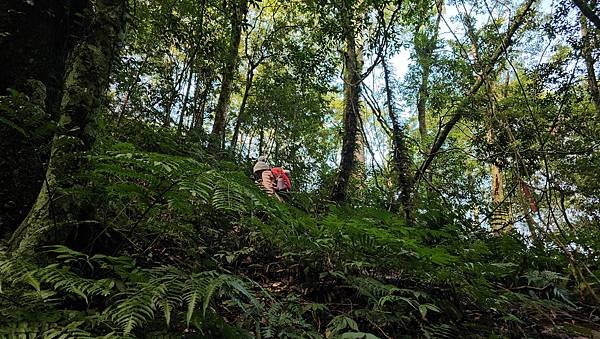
(461, 109)
(588, 12)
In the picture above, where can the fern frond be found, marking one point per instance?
(137, 306)
(64, 280)
(198, 285)
(71, 330)
(14, 270)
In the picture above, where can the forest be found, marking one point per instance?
(444, 159)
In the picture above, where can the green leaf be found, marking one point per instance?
(13, 126)
(423, 308)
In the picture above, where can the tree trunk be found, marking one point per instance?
(237, 19)
(185, 102)
(360, 162)
(589, 64)
(500, 218)
(401, 156)
(425, 56)
(241, 115)
(352, 79)
(250, 139)
(359, 172)
(588, 12)
(57, 211)
(34, 47)
(175, 90)
(199, 108)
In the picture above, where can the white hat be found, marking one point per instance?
(261, 164)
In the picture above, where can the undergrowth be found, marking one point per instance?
(187, 245)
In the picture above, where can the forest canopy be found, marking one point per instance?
(443, 155)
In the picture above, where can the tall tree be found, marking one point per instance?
(352, 79)
(586, 41)
(500, 210)
(499, 215)
(56, 213)
(462, 107)
(239, 8)
(258, 41)
(34, 43)
(425, 46)
(400, 152)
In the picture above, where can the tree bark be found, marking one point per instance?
(185, 102)
(360, 160)
(56, 212)
(425, 55)
(34, 49)
(589, 64)
(500, 218)
(352, 79)
(241, 118)
(588, 12)
(401, 156)
(237, 19)
(200, 102)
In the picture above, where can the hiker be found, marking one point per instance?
(282, 179)
(264, 176)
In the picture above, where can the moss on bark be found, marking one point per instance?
(57, 211)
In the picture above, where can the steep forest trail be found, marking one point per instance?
(445, 153)
(203, 250)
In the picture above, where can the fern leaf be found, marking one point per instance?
(212, 287)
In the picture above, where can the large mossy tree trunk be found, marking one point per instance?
(58, 211)
(352, 80)
(34, 42)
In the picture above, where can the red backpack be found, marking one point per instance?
(282, 179)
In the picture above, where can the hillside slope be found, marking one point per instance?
(188, 246)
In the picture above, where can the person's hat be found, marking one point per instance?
(261, 164)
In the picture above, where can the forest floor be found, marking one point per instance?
(191, 247)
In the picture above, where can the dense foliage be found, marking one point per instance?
(203, 251)
(444, 161)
